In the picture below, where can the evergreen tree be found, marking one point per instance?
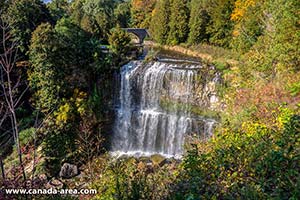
(179, 20)
(119, 41)
(94, 16)
(199, 21)
(45, 78)
(122, 14)
(220, 29)
(25, 17)
(159, 24)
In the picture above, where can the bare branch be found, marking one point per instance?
(10, 84)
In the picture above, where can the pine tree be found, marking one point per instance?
(179, 20)
(221, 26)
(199, 21)
(159, 24)
(44, 77)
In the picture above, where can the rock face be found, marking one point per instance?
(156, 106)
(68, 171)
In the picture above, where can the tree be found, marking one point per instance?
(199, 21)
(277, 49)
(95, 16)
(122, 14)
(141, 13)
(160, 21)
(178, 22)
(58, 9)
(221, 27)
(5, 133)
(11, 85)
(25, 16)
(64, 62)
(45, 77)
(119, 41)
(248, 18)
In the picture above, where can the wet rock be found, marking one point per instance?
(158, 160)
(68, 171)
(145, 159)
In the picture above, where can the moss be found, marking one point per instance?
(172, 106)
(157, 159)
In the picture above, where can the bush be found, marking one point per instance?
(250, 162)
(133, 179)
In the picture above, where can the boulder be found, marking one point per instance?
(54, 183)
(68, 171)
(158, 160)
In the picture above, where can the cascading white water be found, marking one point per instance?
(145, 124)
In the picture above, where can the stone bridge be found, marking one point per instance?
(141, 33)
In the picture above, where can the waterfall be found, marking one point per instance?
(154, 109)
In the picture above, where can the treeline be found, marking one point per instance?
(266, 31)
(193, 21)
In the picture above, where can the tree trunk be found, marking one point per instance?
(2, 169)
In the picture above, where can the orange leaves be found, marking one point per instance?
(137, 4)
(263, 101)
(142, 4)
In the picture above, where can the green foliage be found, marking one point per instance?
(26, 136)
(178, 22)
(160, 21)
(55, 154)
(25, 16)
(122, 14)
(248, 162)
(277, 49)
(141, 11)
(249, 25)
(95, 16)
(45, 78)
(221, 27)
(58, 9)
(295, 89)
(63, 58)
(199, 21)
(65, 63)
(119, 41)
(133, 179)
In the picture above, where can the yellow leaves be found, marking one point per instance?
(65, 111)
(79, 98)
(252, 128)
(137, 4)
(240, 9)
(63, 114)
(235, 33)
(284, 117)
